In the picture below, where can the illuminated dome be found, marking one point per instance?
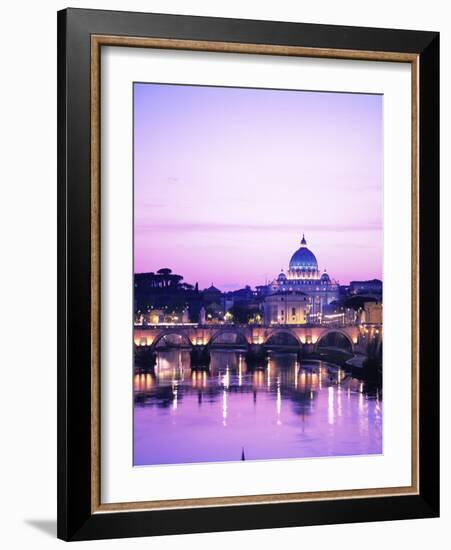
(325, 278)
(303, 258)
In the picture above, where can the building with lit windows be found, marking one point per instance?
(372, 313)
(367, 288)
(286, 307)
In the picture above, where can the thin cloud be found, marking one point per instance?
(221, 227)
(150, 205)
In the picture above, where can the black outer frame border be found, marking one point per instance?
(75, 521)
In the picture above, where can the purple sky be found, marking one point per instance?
(227, 180)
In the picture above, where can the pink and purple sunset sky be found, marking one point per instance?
(226, 180)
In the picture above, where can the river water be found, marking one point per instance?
(286, 410)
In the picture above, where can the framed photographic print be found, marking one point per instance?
(248, 274)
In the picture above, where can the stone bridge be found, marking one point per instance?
(205, 335)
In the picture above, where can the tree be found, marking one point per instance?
(372, 366)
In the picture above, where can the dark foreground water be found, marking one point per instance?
(287, 410)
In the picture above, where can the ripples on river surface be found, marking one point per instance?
(286, 410)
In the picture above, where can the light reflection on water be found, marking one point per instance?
(285, 410)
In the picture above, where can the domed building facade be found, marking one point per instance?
(303, 263)
(303, 276)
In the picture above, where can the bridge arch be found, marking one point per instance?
(281, 331)
(227, 330)
(329, 334)
(169, 332)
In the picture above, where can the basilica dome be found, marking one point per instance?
(303, 258)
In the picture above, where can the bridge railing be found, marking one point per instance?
(212, 326)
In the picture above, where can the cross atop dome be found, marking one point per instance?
(303, 242)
